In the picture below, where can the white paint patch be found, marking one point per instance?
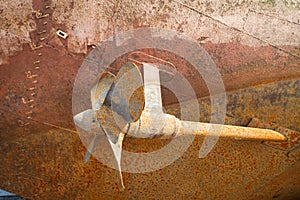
(92, 22)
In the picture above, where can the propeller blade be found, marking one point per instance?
(101, 88)
(124, 102)
(108, 120)
(127, 94)
(117, 149)
(92, 146)
(86, 121)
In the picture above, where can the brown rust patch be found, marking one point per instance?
(232, 170)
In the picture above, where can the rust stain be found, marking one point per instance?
(230, 164)
(40, 161)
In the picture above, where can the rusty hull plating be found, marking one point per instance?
(42, 156)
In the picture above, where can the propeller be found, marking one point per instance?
(111, 110)
(127, 105)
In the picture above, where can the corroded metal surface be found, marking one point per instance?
(101, 89)
(232, 170)
(44, 159)
(240, 170)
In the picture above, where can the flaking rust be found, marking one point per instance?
(232, 171)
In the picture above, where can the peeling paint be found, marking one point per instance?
(15, 25)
